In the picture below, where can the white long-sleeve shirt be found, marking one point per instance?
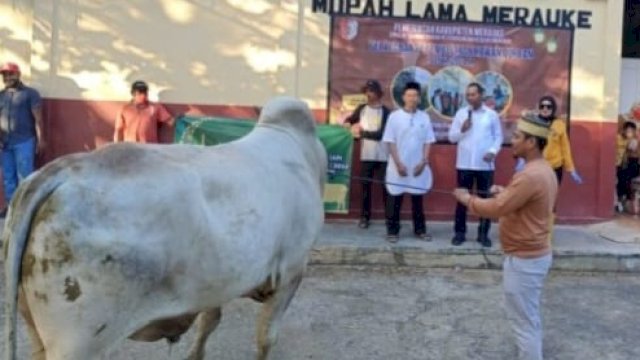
(484, 136)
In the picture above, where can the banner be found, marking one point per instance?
(515, 65)
(336, 140)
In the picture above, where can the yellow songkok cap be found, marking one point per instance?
(531, 124)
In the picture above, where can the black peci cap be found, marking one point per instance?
(372, 85)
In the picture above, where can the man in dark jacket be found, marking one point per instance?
(367, 123)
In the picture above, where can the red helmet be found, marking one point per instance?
(10, 67)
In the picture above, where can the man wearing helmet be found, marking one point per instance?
(21, 129)
(138, 121)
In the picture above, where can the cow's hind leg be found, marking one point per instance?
(70, 352)
(271, 315)
(206, 323)
(37, 347)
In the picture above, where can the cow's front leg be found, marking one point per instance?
(206, 323)
(271, 315)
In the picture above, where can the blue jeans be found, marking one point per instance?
(17, 164)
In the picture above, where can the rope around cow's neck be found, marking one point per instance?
(384, 182)
(490, 264)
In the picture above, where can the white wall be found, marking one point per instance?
(240, 52)
(629, 84)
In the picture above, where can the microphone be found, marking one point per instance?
(469, 115)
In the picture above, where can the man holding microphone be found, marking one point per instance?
(477, 131)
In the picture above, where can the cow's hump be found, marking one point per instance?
(288, 112)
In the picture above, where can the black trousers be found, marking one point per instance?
(483, 180)
(625, 175)
(559, 171)
(372, 170)
(394, 205)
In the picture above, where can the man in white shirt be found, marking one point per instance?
(478, 132)
(409, 135)
(368, 122)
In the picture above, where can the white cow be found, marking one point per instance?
(134, 241)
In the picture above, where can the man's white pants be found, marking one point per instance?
(523, 280)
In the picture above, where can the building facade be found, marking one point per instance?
(228, 57)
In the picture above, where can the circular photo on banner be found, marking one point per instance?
(447, 90)
(498, 92)
(406, 75)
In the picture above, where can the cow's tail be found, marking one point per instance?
(32, 193)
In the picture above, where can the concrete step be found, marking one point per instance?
(575, 248)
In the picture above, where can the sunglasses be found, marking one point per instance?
(545, 106)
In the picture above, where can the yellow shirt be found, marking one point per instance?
(621, 150)
(558, 150)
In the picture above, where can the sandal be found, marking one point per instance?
(392, 238)
(363, 224)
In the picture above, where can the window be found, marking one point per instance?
(631, 29)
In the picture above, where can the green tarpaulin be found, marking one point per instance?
(338, 142)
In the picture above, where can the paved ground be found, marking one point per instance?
(383, 313)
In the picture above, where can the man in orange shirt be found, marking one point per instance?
(525, 209)
(138, 121)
